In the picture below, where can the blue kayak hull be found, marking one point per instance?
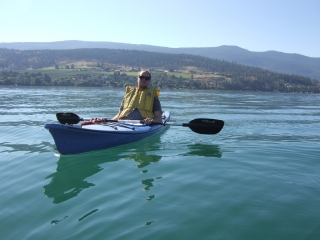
(73, 139)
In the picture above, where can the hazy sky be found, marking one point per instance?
(290, 26)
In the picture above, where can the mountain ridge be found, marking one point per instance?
(288, 63)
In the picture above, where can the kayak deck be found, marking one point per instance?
(73, 139)
(117, 126)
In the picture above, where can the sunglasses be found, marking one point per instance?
(144, 77)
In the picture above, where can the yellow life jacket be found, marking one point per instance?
(142, 100)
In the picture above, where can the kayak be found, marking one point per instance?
(79, 138)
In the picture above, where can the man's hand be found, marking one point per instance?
(148, 121)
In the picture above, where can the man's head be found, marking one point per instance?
(144, 78)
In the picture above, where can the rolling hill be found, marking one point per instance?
(286, 63)
(113, 67)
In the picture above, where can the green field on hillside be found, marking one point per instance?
(92, 71)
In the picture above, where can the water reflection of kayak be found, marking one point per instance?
(73, 171)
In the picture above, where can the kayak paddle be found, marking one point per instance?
(198, 125)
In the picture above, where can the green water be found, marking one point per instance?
(257, 179)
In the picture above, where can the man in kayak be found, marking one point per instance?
(141, 102)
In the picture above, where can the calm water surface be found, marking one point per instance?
(259, 178)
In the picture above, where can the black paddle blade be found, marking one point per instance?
(70, 118)
(205, 125)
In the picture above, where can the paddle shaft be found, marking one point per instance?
(198, 125)
(138, 121)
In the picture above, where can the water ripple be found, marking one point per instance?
(257, 179)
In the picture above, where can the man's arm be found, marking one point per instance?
(157, 117)
(157, 110)
(116, 117)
